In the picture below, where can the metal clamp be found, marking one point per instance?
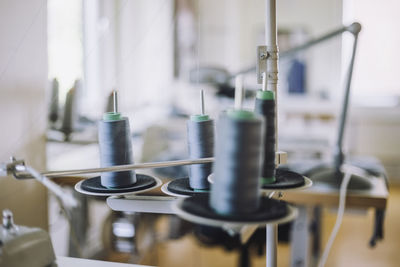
(12, 167)
(267, 61)
(280, 158)
(261, 67)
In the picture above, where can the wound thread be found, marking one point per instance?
(237, 166)
(265, 106)
(116, 149)
(200, 135)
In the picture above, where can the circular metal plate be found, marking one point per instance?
(78, 187)
(187, 215)
(180, 188)
(307, 183)
(164, 189)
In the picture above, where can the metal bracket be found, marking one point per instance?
(149, 204)
(262, 55)
(10, 167)
(280, 158)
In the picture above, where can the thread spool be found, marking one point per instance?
(115, 148)
(237, 167)
(200, 132)
(69, 117)
(53, 111)
(265, 107)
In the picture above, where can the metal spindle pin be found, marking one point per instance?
(238, 92)
(264, 81)
(202, 110)
(115, 100)
(8, 221)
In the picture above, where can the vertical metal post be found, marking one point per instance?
(339, 156)
(202, 110)
(271, 245)
(79, 222)
(115, 101)
(271, 42)
(301, 239)
(270, 23)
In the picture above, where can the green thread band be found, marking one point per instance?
(199, 117)
(112, 116)
(241, 114)
(265, 95)
(269, 180)
(201, 190)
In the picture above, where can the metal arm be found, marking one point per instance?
(353, 28)
(17, 168)
(339, 155)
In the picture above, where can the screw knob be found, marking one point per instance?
(8, 219)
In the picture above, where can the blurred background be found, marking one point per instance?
(60, 61)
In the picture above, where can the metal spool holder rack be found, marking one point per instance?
(267, 62)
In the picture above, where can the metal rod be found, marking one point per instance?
(339, 155)
(306, 45)
(264, 81)
(238, 92)
(115, 100)
(271, 42)
(202, 102)
(271, 245)
(65, 196)
(270, 23)
(149, 165)
(316, 41)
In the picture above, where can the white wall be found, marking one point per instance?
(375, 131)
(376, 68)
(145, 52)
(23, 80)
(231, 30)
(129, 46)
(374, 125)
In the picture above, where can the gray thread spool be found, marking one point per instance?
(200, 132)
(115, 148)
(265, 106)
(237, 167)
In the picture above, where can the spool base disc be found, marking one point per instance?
(181, 188)
(286, 180)
(197, 209)
(92, 186)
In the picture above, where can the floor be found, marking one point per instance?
(350, 247)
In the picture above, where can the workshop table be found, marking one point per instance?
(306, 243)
